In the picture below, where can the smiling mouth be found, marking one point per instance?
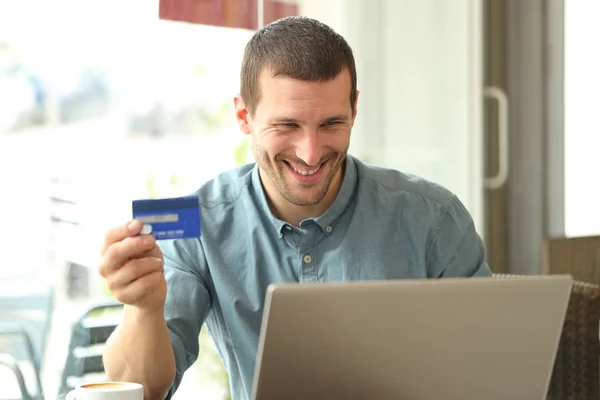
(304, 171)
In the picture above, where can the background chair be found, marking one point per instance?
(11, 363)
(26, 307)
(89, 334)
(578, 257)
(576, 369)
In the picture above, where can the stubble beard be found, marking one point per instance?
(275, 172)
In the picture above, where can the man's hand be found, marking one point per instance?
(133, 267)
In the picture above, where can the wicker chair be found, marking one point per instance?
(580, 258)
(576, 374)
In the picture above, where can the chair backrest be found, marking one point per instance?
(26, 306)
(89, 334)
(576, 368)
(578, 257)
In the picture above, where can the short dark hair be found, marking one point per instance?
(298, 47)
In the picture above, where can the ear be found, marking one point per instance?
(241, 114)
(355, 111)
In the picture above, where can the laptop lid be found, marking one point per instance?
(457, 338)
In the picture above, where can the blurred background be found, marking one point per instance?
(103, 102)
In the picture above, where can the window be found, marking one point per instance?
(582, 127)
(102, 103)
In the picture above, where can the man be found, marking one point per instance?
(305, 212)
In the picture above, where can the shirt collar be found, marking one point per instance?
(337, 208)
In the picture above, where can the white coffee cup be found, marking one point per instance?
(107, 391)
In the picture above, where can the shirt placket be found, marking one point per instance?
(308, 254)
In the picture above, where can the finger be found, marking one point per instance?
(121, 232)
(137, 290)
(134, 269)
(153, 252)
(121, 252)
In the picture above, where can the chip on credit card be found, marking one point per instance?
(172, 218)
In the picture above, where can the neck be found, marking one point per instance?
(294, 214)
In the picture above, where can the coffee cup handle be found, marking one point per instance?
(70, 395)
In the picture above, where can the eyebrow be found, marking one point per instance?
(280, 120)
(276, 121)
(343, 118)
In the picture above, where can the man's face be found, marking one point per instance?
(300, 134)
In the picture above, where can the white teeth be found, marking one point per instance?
(307, 173)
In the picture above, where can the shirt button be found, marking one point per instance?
(289, 228)
(307, 259)
(328, 229)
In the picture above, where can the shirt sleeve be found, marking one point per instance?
(188, 301)
(456, 250)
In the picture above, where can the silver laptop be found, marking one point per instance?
(458, 338)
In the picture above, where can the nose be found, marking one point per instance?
(308, 148)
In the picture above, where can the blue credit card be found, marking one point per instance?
(174, 218)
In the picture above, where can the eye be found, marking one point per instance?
(289, 124)
(331, 123)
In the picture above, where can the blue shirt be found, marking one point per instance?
(383, 224)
